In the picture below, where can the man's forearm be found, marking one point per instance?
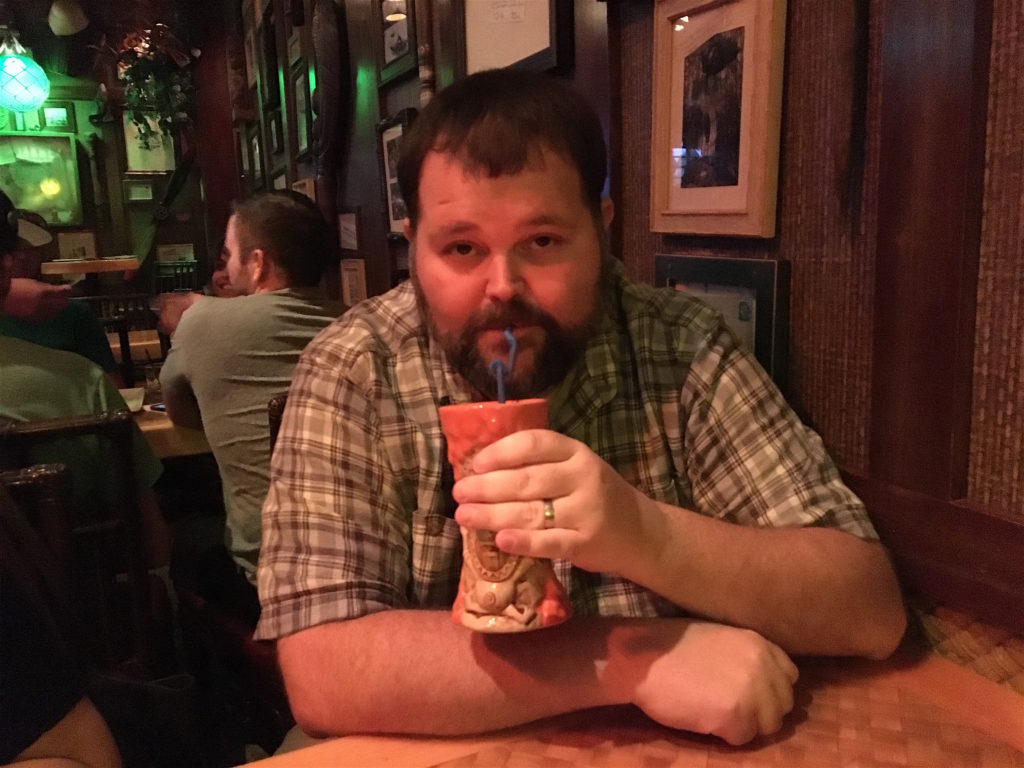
(416, 672)
(182, 407)
(811, 590)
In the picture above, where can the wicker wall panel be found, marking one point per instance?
(996, 470)
(825, 222)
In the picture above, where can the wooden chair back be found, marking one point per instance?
(108, 542)
(275, 411)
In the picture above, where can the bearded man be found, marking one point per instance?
(681, 483)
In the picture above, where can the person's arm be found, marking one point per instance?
(180, 400)
(80, 739)
(805, 586)
(811, 590)
(417, 672)
(171, 306)
(34, 300)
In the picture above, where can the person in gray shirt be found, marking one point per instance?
(230, 356)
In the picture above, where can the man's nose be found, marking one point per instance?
(504, 280)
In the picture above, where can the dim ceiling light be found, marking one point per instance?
(49, 187)
(23, 84)
(394, 10)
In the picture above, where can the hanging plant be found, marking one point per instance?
(155, 70)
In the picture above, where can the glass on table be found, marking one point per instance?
(154, 393)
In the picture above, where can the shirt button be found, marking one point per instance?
(435, 525)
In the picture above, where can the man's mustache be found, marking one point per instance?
(513, 313)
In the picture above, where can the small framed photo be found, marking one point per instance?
(137, 191)
(280, 181)
(57, 116)
(255, 143)
(391, 131)
(270, 90)
(274, 132)
(173, 252)
(76, 245)
(353, 281)
(303, 107)
(348, 231)
(751, 294)
(306, 187)
(397, 49)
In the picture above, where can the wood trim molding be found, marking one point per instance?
(950, 551)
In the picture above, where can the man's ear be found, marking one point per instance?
(259, 266)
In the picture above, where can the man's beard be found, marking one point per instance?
(550, 361)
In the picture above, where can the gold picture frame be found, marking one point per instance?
(717, 109)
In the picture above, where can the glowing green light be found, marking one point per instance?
(23, 84)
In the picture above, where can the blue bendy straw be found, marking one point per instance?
(498, 368)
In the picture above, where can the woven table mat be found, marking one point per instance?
(851, 722)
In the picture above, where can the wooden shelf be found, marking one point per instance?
(88, 265)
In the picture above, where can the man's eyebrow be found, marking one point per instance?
(455, 228)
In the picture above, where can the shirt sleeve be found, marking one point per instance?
(335, 539)
(750, 459)
(175, 380)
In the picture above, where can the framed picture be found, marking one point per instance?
(391, 131)
(76, 245)
(270, 90)
(174, 252)
(717, 103)
(751, 294)
(397, 46)
(275, 133)
(137, 190)
(40, 174)
(280, 180)
(305, 187)
(303, 107)
(526, 34)
(57, 116)
(348, 231)
(353, 281)
(151, 154)
(254, 142)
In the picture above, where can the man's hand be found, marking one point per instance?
(599, 523)
(171, 306)
(702, 677)
(34, 300)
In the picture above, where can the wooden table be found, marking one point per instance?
(144, 345)
(169, 440)
(921, 711)
(88, 266)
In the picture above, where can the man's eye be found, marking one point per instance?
(544, 241)
(460, 249)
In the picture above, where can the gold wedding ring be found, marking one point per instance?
(549, 513)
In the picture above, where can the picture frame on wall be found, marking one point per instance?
(77, 245)
(397, 44)
(137, 190)
(152, 154)
(303, 107)
(716, 116)
(390, 132)
(270, 90)
(527, 34)
(254, 144)
(58, 116)
(751, 294)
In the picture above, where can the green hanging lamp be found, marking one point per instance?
(23, 84)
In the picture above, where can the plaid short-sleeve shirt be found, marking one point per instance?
(359, 516)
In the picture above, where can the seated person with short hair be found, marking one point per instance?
(699, 528)
(228, 358)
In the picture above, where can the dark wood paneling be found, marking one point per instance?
(961, 556)
(934, 99)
